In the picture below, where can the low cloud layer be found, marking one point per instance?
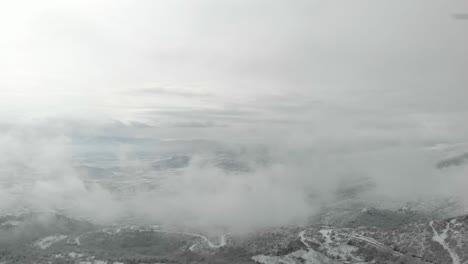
(39, 173)
(332, 91)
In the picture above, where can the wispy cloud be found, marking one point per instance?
(170, 92)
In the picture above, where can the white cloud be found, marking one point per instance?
(302, 77)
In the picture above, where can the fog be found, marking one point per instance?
(39, 173)
(331, 92)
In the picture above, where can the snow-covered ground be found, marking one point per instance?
(440, 238)
(309, 256)
(46, 242)
(222, 239)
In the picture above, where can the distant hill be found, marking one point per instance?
(54, 238)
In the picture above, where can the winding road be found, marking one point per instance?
(222, 239)
(440, 238)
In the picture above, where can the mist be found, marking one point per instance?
(308, 97)
(40, 174)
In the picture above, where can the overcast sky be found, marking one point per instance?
(364, 68)
(331, 90)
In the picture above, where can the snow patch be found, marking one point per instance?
(440, 238)
(275, 259)
(304, 239)
(326, 235)
(75, 255)
(46, 242)
(299, 256)
(222, 239)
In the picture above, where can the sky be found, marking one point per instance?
(191, 67)
(383, 80)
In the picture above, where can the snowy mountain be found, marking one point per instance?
(52, 238)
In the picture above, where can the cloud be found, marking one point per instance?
(332, 89)
(196, 124)
(460, 16)
(286, 182)
(387, 58)
(171, 92)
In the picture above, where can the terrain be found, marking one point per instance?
(349, 228)
(55, 238)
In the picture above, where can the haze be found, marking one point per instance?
(326, 90)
